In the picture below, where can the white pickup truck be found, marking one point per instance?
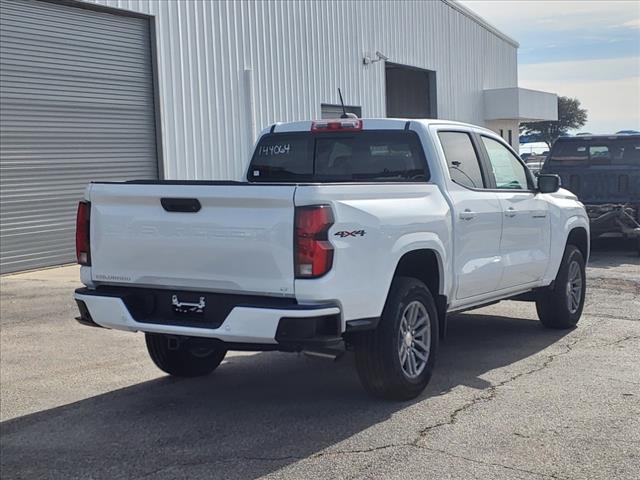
(347, 234)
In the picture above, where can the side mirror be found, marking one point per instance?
(548, 183)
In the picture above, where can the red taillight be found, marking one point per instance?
(339, 125)
(313, 252)
(83, 254)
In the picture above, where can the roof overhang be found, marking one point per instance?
(480, 21)
(520, 104)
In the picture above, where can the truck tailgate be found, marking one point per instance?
(240, 240)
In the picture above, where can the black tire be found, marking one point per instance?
(553, 304)
(377, 352)
(184, 356)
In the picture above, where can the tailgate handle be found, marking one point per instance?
(186, 205)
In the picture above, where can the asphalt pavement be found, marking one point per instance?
(508, 400)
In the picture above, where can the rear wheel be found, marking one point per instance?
(396, 360)
(561, 306)
(184, 356)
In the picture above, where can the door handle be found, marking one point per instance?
(185, 205)
(467, 214)
(510, 212)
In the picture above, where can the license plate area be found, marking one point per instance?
(189, 309)
(185, 307)
(157, 306)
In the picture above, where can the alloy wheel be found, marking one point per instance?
(414, 339)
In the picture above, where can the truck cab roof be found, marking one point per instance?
(372, 124)
(615, 136)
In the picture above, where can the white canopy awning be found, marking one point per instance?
(520, 104)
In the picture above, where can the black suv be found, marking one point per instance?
(604, 172)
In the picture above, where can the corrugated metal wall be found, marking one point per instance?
(76, 104)
(227, 69)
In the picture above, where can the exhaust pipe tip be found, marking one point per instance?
(326, 353)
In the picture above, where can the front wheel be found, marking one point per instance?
(561, 306)
(184, 356)
(395, 361)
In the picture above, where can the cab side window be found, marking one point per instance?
(508, 171)
(462, 159)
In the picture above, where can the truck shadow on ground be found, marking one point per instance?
(609, 253)
(255, 415)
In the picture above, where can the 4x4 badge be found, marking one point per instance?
(355, 233)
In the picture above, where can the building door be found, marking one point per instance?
(76, 105)
(411, 92)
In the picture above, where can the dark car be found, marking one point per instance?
(604, 172)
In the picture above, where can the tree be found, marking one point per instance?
(570, 117)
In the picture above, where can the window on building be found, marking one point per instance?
(511, 137)
(507, 169)
(462, 160)
(328, 110)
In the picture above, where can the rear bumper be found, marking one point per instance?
(615, 218)
(291, 327)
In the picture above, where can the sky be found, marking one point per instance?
(587, 49)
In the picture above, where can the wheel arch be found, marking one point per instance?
(579, 237)
(423, 264)
(574, 230)
(426, 265)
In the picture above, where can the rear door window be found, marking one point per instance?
(462, 160)
(367, 156)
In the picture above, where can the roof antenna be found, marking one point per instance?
(344, 110)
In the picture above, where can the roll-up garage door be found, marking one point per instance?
(76, 104)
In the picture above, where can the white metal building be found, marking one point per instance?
(179, 89)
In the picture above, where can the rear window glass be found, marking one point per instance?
(597, 151)
(368, 156)
(569, 153)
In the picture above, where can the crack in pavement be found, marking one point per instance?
(491, 392)
(611, 317)
(493, 464)
(613, 343)
(435, 450)
(399, 446)
(621, 380)
(349, 452)
(486, 396)
(616, 342)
